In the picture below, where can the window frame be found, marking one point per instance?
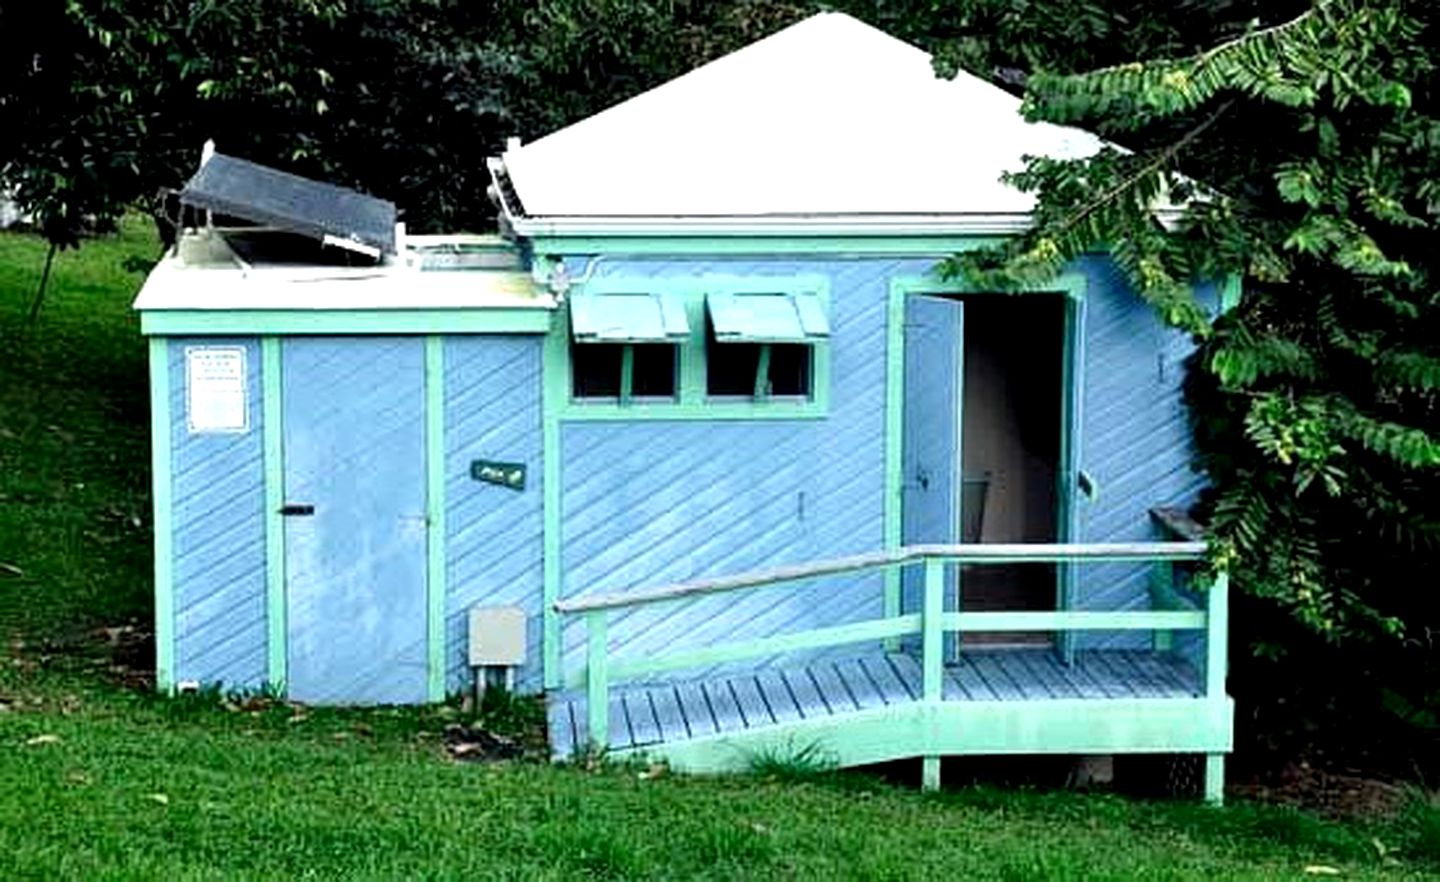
(692, 401)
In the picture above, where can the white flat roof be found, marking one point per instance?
(175, 285)
(827, 117)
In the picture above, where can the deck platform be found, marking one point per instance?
(660, 713)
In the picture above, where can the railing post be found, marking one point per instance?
(1217, 636)
(1217, 639)
(1165, 583)
(597, 679)
(931, 658)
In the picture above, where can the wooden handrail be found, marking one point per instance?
(968, 554)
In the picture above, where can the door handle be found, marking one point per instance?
(296, 509)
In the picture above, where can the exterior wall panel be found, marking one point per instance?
(1135, 438)
(654, 501)
(495, 541)
(219, 535)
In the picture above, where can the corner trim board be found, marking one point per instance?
(272, 404)
(555, 380)
(162, 494)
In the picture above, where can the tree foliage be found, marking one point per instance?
(1304, 156)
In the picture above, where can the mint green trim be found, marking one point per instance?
(1075, 620)
(627, 373)
(931, 671)
(272, 441)
(1231, 291)
(969, 728)
(762, 373)
(435, 533)
(597, 679)
(162, 493)
(894, 439)
(1072, 370)
(691, 401)
(839, 635)
(353, 321)
(1074, 286)
(1163, 596)
(555, 389)
(762, 246)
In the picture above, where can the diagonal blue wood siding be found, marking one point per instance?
(494, 546)
(219, 536)
(1135, 438)
(650, 502)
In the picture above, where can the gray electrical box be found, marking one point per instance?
(497, 636)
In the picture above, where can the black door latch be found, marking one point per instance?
(291, 509)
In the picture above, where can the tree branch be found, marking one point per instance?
(1159, 160)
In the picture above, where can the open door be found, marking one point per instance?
(934, 374)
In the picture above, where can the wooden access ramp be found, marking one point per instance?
(862, 693)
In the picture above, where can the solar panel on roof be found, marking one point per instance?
(262, 195)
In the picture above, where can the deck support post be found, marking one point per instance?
(930, 773)
(932, 656)
(1217, 642)
(1215, 779)
(597, 680)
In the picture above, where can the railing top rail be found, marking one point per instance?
(974, 554)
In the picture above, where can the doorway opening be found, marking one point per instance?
(1011, 429)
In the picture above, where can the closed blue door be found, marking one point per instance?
(354, 450)
(934, 371)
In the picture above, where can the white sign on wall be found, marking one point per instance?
(215, 399)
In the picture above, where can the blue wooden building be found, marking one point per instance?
(754, 474)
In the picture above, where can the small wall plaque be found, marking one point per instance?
(503, 474)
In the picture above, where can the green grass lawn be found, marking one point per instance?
(99, 779)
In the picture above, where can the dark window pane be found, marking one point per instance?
(596, 369)
(790, 369)
(730, 367)
(654, 371)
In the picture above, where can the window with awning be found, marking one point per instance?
(766, 317)
(628, 318)
(696, 345)
(760, 344)
(627, 344)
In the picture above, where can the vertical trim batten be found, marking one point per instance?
(272, 440)
(894, 437)
(435, 533)
(162, 493)
(554, 385)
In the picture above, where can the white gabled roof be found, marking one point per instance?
(829, 117)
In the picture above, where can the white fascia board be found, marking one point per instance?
(774, 225)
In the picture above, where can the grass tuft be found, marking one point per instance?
(794, 762)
